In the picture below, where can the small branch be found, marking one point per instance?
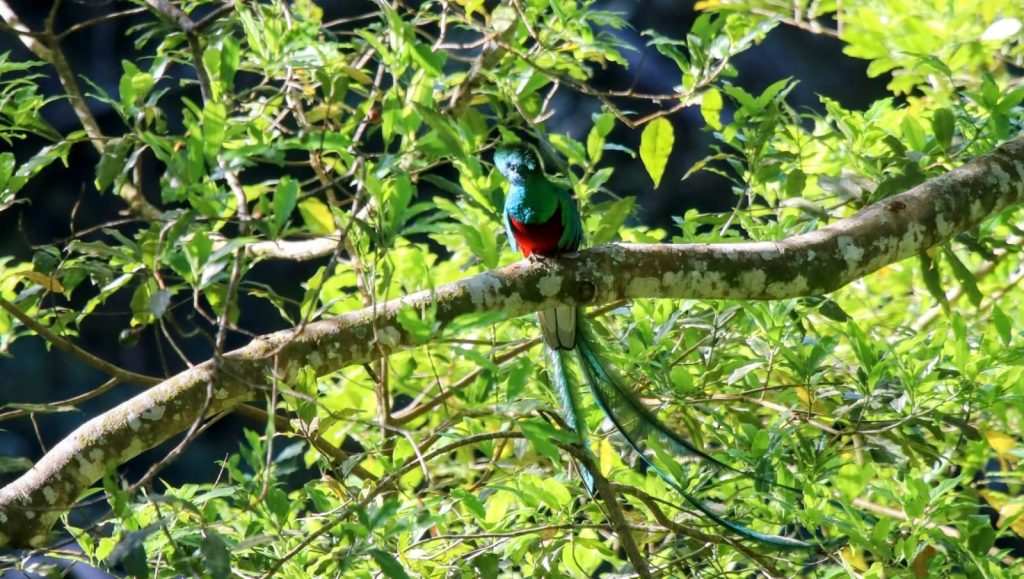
(75, 97)
(616, 519)
(29, 38)
(212, 17)
(63, 344)
(73, 401)
(174, 14)
(97, 20)
(292, 250)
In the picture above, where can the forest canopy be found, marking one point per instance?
(296, 219)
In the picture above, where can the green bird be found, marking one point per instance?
(541, 219)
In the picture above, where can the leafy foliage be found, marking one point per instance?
(894, 403)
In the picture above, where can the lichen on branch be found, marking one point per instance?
(810, 264)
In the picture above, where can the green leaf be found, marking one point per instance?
(916, 498)
(466, 499)
(913, 133)
(285, 195)
(111, 163)
(215, 555)
(932, 280)
(1010, 100)
(681, 379)
(595, 144)
(961, 349)
(655, 147)
(613, 215)
(964, 275)
(388, 564)
(746, 101)
(214, 120)
(443, 128)
(943, 125)
(158, 303)
(795, 183)
(229, 61)
(833, 311)
(980, 534)
(14, 464)
(487, 566)
(131, 553)
(432, 61)
(134, 85)
(1004, 327)
(540, 435)
(418, 323)
(603, 124)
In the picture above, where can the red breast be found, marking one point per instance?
(539, 238)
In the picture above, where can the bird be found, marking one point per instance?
(542, 221)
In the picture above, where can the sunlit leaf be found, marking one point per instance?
(656, 146)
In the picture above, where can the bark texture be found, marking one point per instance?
(811, 264)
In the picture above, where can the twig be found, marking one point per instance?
(212, 17)
(73, 401)
(613, 511)
(63, 344)
(31, 40)
(97, 20)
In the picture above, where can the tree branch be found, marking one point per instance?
(810, 264)
(46, 45)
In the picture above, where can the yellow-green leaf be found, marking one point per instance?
(655, 147)
(711, 108)
(41, 279)
(317, 216)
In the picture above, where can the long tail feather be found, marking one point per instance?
(634, 422)
(637, 421)
(570, 405)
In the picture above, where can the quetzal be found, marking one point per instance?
(541, 219)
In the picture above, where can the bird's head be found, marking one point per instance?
(517, 163)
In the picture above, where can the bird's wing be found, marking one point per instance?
(572, 224)
(509, 233)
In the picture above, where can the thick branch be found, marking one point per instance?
(810, 264)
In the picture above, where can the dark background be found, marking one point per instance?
(31, 373)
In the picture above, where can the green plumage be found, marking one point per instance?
(541, 219)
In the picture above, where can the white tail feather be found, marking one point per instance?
(558, 325)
